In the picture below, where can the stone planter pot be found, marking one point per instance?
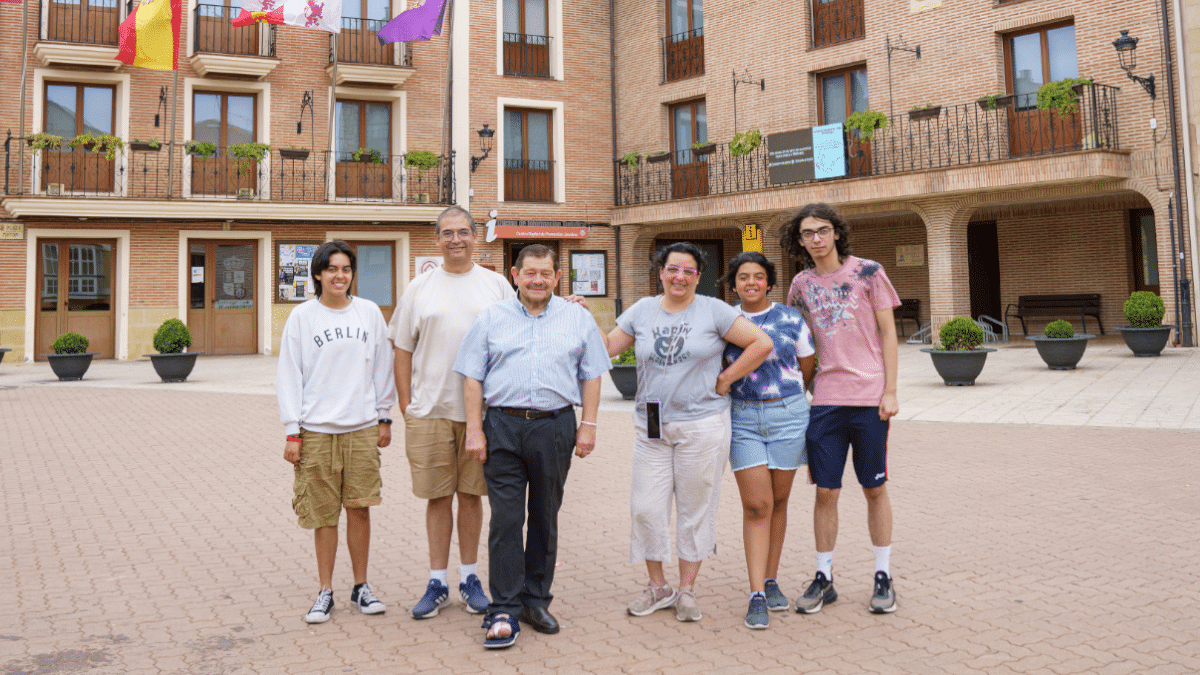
(2, 353)
(70, 367)
(924, 113)
(1146, 341)
(625, 378)
(174, 367)
(959, 368)
(1061, 353)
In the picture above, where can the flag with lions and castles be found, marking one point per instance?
(323, 15)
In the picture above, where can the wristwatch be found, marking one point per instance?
(385, 420)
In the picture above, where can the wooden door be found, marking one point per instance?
(76, 285)
(223, 298)
(841, 93)
(375, 278)
(983, 267)
(689, 171)
(1033, 58)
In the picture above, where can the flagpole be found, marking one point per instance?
(332, 160)
(24, 68)
(448, 111)
(171, 152)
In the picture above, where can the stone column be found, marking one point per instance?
(946, 258)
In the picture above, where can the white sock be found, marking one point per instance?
(465, 571)
(883, 559)
(825, 564)
(440, 575)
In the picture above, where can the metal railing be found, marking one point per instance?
(957, 135)
(92, 22)
(683, 55)
(837, 21)
(215, 35)
(529, 180)
(359, 43)
(285, 175)
(526, 55)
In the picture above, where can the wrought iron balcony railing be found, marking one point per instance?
(837, 21)
(683, 55)
(92, 22)
(529, 180)
(285, 175)
(215, 35)
(957, 135)
(359, 43)
(526, 55)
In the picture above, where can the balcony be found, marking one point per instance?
(221, 48)
(362, 59)
(837, 21)
(960, 135)
(683, 55)
(528, 180)
(79, 33)
(284, 176)
(526, 55)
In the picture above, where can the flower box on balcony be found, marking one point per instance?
(144, 146)
(706, 149)
(994, 102)
(294, 153)
(658, 157)
(918, 114)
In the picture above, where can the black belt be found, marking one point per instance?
(532, 413)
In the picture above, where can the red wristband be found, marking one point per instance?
(296, 439)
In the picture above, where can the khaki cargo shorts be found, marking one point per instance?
(335, 470)
(437, 454)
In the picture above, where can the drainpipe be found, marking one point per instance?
(1184, 290)
(612, 97)
(1187, 149)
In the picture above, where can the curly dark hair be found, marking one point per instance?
(685, 247)
(789, 236)
(320, 260)
(749, 257)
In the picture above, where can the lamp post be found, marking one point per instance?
(485, 145)
(1127, 55)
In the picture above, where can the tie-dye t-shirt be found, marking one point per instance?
(840, 308)
(779, 376)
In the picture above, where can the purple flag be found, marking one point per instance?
(418, 23)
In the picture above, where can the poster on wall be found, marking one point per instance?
(589, 270)
(293, 279)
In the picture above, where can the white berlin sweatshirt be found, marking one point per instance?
(335, 368)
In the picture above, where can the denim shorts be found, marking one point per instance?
(770, 433)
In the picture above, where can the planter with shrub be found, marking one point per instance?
(1060, 347)
(624, 374)
(960, 358)
(172, 363)
(1145, 335)
(70, 359)
(2, 353)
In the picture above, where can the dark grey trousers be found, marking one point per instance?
(525, 456)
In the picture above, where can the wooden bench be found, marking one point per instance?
(1069, 305)
(909, 308)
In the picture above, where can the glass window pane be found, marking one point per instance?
(97, 110)
(679, 16)
(1149, 251)
(858, 90)
(235, 276)
(539, 136)
(697, 14)
(375, 273)
(512, 16)
(207, 118)
(535, 17)
(1061, 45)
(378, 10)
(49, 301)
(60, 110)
(378, 124)
(833, 99)
(347, 130)
(89, 286)
(196, 254)
(701, 123)
(240, 125)
(1027, 68)
(513, 144)
(352, 9)
(682, 127)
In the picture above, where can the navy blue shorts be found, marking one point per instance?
(832, 430)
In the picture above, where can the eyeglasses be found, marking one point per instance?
(823, 232)
(675, 270)
(451, 234)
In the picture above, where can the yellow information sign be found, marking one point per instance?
(12, 231)
(752, 238)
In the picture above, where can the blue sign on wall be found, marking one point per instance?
(829, 151)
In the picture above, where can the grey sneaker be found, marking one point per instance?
(756, 616)
(652, 599)
(686, 608)
(819, 592)
(776, 600)
(883, 601)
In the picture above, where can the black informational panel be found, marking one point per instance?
(790, 157)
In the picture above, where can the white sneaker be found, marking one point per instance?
(321, 608)
(364, 598)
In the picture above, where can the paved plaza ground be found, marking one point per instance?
(1045, 523)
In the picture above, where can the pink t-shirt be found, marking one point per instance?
(841, 314)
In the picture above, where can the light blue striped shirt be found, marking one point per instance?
(529, 361)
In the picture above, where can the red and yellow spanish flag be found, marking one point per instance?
(149, 36)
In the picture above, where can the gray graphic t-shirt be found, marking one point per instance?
(679, 355)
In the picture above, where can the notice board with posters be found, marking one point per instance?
(589, 273)
(806, 154)
(292, 278)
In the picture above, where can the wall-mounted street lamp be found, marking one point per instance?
(306, 101)
(485, 144)
(162, 103)
(744, 78)
(1127, 52)
(898, 46)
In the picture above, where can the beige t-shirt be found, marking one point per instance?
(434, 315)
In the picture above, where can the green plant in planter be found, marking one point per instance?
(172, 337)
(960, 333)
(866, 122)
(745, 143)
(103, 143)
(424, 160)
(631, 160)
(1059, 95)
(1059, 329)
(625, 358)
(70, 343)
(200, 148)
(153, 143)
(42, 141)
(991, 101)
(927, 106)
(1144, 309)
(249, 154)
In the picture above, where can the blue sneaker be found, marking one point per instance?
(776, 600)
(437, 596)
(473, 596)
(756, 616)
